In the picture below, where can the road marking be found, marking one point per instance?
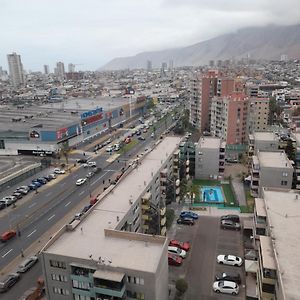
(99, 178)
(32, 205)
(68, 203)
(110, 171)
(51, 217)
(31, 233)
(81, 193)
(48, 194)
(6, 253)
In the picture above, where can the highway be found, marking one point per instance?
(37, 214)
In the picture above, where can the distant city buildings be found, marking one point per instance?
(16, 71)
(59, 71)
(71, 68)
(149, 65)
(46, 69)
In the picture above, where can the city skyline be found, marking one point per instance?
(43, 34)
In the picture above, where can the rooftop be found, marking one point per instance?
(264, 136)
(109, 212)
(283, 207)
(209, 142)
(276, 159)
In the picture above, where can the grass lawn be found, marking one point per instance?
(128, 147)
(250, 204)
(227, 189)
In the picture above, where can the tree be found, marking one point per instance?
(290, 150)
(181, 286)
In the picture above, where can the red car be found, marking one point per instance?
(182, 245)
(174, 260)
(7, 235)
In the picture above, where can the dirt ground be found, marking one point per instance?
(235, 170)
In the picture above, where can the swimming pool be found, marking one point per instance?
(211, 194)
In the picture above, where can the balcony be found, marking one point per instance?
(163, 221)
(110, 292)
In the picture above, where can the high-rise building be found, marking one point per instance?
(46, 69)
(171, 65)
(16, 71)
(60, 70)
(149, 65)
(71, 68)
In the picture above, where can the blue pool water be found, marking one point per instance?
(212, 194)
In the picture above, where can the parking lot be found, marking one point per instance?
(207, 240)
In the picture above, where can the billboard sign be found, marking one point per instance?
(91, 113)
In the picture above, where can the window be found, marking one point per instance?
(135, 280)
(284, 174)
(135, 295)
(81, 297)
(59, 277)
(81, 285)
(283, 182)
(57, 264)
(60, 291)
(268, 288)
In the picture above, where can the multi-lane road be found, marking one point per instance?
(39, 212)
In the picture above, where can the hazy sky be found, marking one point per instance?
(91, 32)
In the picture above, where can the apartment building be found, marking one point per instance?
(209, 158)
(204, 88)
(270, 169)
(258, 114)
(228, 118)
(278, 245)
(107, 254)
(262, 141)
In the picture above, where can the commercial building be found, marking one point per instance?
(278, 244)
(106, 254)
(228, 118)
(46, 69)
(270, 169)
(59, 71)
(16, 71)
(209, 158)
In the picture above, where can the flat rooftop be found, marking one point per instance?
(264, 136)
(109, 212)
(283, 209)
(209, 142)
(273, 159)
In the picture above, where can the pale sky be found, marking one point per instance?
(92, 32)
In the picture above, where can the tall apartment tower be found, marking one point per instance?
(60, 70)
(171, 65)
(71, 68)
(204, 88)
(46, 69)
(16, 72)
(149, 65)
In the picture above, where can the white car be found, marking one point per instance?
(27, 264)
(59, 171)
(92, 164)
(80, 181)
(226, 287)
(109, 149)
(230, 260)
(176, 250)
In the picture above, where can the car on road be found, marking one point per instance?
(138, 133)
(189, 214)
(226, 287)
(33, 186)
(8, 282)
(42, 180)
(235, 277)
(182, 245)
(90, 174)
(228, 224)
(174, 260)
(234, 218)
(8, 200)
(152, 135)
(80, 181)
(185, 221)
(36, 183)
(59, 171)
(127, 140)
(177, 251)
(48, 177)
(7, 235)
(92, 164)
(24, 189)
(2, 205)
(81, 160)
(109, 149)
(17, 195)
(52, 175)
(141, 138)
(27, 264)
(230, 260)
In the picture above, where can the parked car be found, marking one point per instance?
(86, 208)
(174, 260)
(7, 235)
(32, 186)
(152, 135)
(138, 133)
(2, 205)
(109, 149)
(231, 260)
(92, 164)
(81, 160)
(42, 180)
(48, 177)
(189, 214)
(234, 218)
(141, 138)
(177, 251)
(235, 277)
(182, 245)
(8, 200)
(78, 216)
(226, 287)
(36, 183)
(90, 174)
(24, 189)
(17, 195)
(53, 176)
(59, 171)
(27, 264)
(185, 221)
(127, 140)
(80, 181)
(228, 224)
(8, 282)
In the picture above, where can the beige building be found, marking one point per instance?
(106, 254)
(270, 169)
(258, 114)
(278, 274)
(209, 158)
